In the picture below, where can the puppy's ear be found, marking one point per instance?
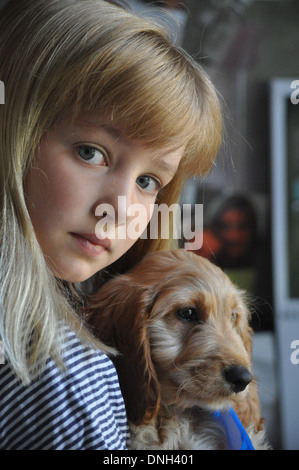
(248, 409)
(244, 329)
(119, 317)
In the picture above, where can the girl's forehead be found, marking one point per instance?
(94, 123)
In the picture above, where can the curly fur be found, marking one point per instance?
(172, 370)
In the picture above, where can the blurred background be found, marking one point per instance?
(251, 197)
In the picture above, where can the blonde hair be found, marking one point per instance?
(84, 55)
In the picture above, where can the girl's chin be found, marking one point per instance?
(75, 274)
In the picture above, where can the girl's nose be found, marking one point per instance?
(115, 198)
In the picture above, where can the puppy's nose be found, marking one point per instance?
(238, 377)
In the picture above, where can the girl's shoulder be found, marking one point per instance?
(79, 407)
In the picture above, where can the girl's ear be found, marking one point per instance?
(119, 317)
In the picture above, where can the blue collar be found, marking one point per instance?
(236, 434)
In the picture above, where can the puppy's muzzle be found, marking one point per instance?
(238, 377)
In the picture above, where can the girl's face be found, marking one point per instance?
(78, 167)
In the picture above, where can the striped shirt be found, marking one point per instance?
(79, 409)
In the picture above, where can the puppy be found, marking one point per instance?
(181, 329)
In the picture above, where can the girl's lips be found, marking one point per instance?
(90, 244)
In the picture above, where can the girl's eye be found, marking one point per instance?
(91, 155)
(148, 183)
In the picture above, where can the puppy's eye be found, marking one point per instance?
(233, 317)
(188, 314)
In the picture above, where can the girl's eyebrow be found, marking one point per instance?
(93, 125)
(167, 167)
(116, 134)
(112, 131)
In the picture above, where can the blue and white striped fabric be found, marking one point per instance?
(80, 409)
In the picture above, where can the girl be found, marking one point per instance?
(99, 103)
